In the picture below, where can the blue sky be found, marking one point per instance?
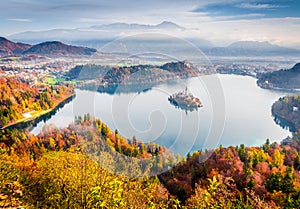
(274, 20)
(252, 9)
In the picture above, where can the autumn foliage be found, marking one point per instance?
(88, 165)
(17, 98)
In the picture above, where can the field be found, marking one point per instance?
(53, 81)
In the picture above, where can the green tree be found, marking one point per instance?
(297, 162)
(274, 182)
(242, 153)
(104, 130)
(287, 185)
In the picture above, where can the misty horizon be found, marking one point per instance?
(218, 21)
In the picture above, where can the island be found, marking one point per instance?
(185, 100)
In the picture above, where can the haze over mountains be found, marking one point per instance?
(137, 38)
(126, 26)
(96, 32)
(252, 48)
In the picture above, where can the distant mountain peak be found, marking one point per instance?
(55, 48)
(3, 39)
(296, 67)
(253, 48)
(48, 48)
(53, 43)
(8, 47)
(168, 24)
(251, 44)
(130, 26)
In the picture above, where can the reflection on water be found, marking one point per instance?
(284, 123)
(149, 116)
(186, 109)
(32, 124)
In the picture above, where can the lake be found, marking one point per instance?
(235, 111)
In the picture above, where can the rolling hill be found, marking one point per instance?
(252, 48)
(49, 48)
(8, 47)
(56, 48)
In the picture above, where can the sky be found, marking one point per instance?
(220, 21)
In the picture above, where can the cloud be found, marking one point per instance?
(261, 6)
(20, 19)
(240, 17)
(90, 20)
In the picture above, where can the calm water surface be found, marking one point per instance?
(243, 117)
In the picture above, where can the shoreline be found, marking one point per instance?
(260, 84)
(294, 91)
(38, 115)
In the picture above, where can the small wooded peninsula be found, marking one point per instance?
(288, 79)
(286, 112)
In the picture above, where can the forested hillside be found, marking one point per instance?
(17, 99)
(135, 74)
(79, 166)
(268, 174)
(282, 79)
(57, 169)
(287, 112)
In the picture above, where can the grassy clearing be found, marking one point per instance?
(53, 81)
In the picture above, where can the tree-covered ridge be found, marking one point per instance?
(94, 136)
(134, 78)
(69, 179)
(270, 172)
(282, 79)
(49, 48)
(105, 77)
(55, 169)
(150, 74)
(79, 167)
(20, 101)
(8, 47)
(90, 135)
(87, 72)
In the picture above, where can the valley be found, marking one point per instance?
(62, 107)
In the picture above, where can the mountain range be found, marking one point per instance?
(126, 26)
(162, 37)
(96, 32)
(252, 48)
(135, 39)
(146, 43)
(49, 48)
